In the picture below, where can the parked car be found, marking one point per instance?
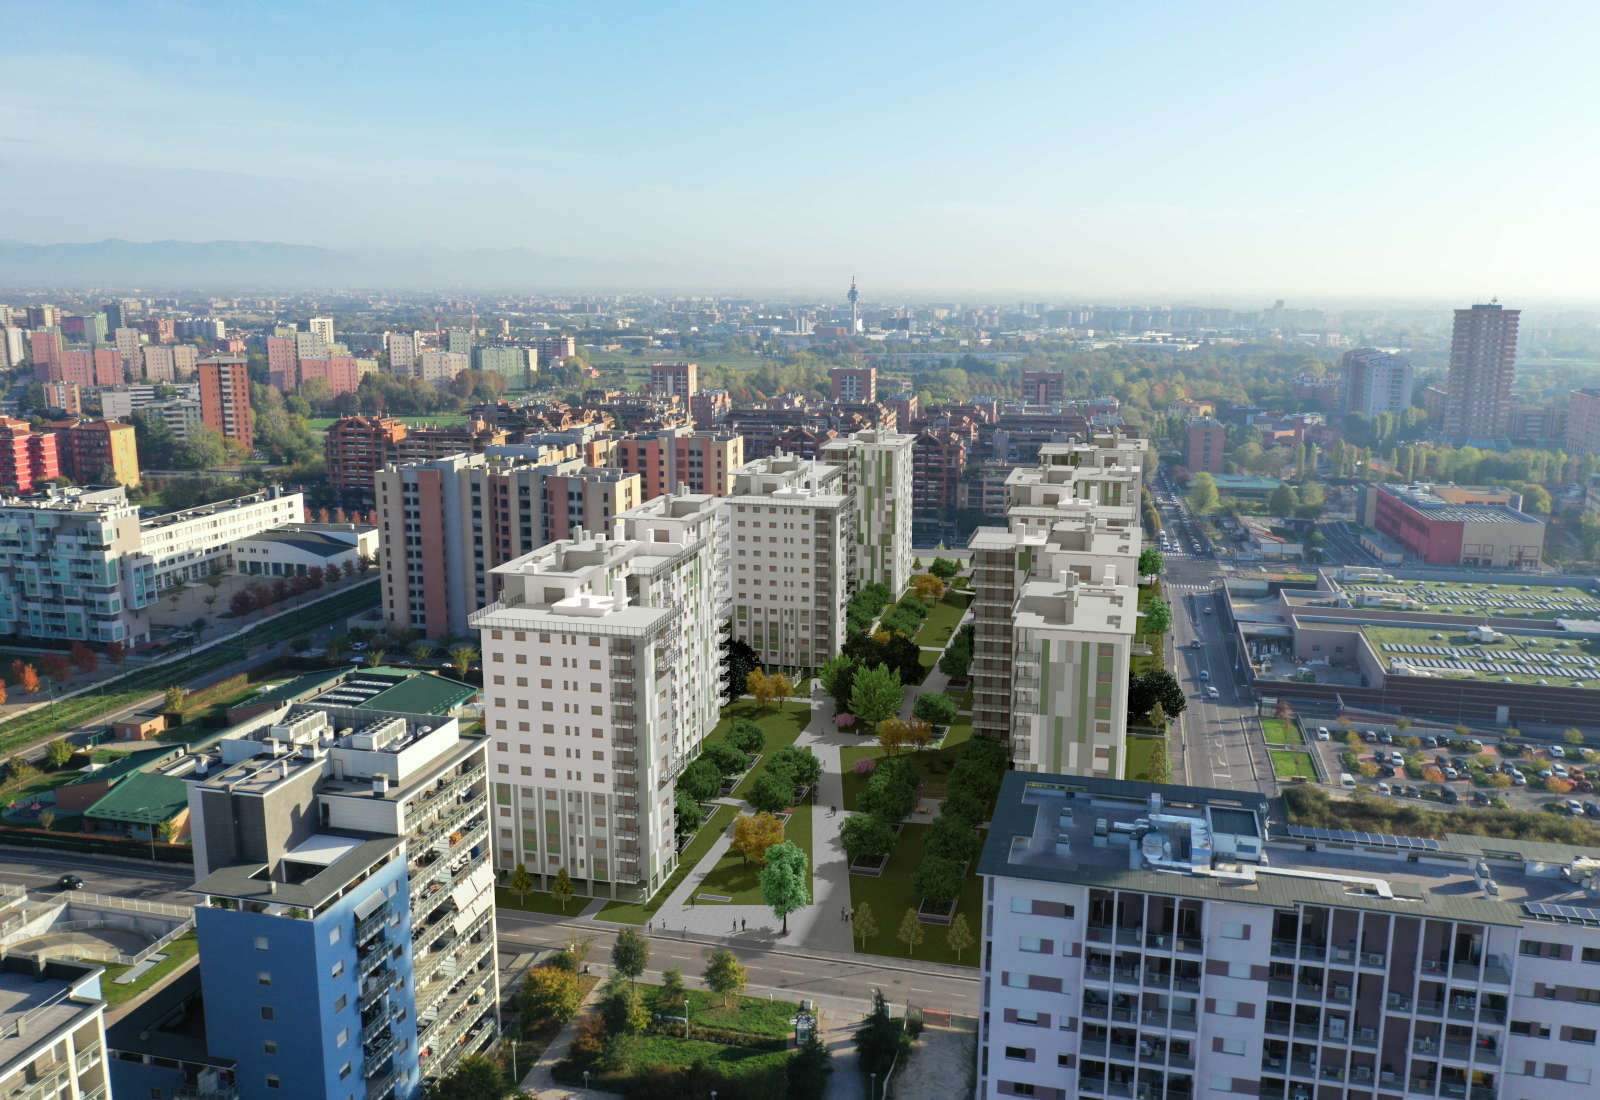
(1370, 737)
(1449, 772)
(1519, 780)
(1583, 786)
(1430, 741)
(1574, 807)
(1386, 737)
(1557, 752)
(1322, 733)
(1387, 771)
(1558, 771)
(1592, 809)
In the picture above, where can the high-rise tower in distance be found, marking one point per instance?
(855, 312)
(1483, 357)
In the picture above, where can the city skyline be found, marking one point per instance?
(724, 147)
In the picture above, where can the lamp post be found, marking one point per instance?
(872, 1093)
(514, 1060)
(585, 1080)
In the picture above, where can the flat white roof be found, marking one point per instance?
(323, 849)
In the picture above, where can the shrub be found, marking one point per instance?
(935, 707)
(843, 720)
(915, 606)
(937, 880)
(801, 763)
(773, 792)
(890, 794)
(726, 759)
(701, 781)
(944, 568)
(865, 766)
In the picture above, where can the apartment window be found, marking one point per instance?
(272, 1081)
(261, 943)
(1019, 1054)
(263, 977)
(344, 1037)
(335, 934)
(1587, 996)
(345, 1071)
(267, 1013)
(269, 1046)
(1530, 1028)
(1581, 1035)
(1231, 1046)
(1539, 949)
(1021, 1088)
(339, 1005)
(1235, 931)
(1030, 1018)
(1591, 954)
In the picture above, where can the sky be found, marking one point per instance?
(1065, 149)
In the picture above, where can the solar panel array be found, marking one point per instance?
(1496, 661)
(1574, 913)
(1529, 601)
(1371, 840)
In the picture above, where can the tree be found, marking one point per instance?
(57, 668)
(911, 932)
(590, 1043)
(725, 976)
(1283, 501)
(1402, 723)
(28, 680)
(621, 1006)
(760, 685)
(630, 954)
(1151, 562)
(876, 694)
(1203, 497)
(957, 657)
(890, 794)
(173, 697)
(1572, 736)
(2, 692)
(878, 1037)
(894, 651)
(475, 1077)
(838, 677)
(959, 938)
(521, 882)
(753, 834)
(953, 839)
(863, 923)
(550, 997)
(746, 736)
(462, 657)
(116, 652)
(1158, 717)
(701, 781)
(1157, 616)
(808, 1071)
(944, 568)
(373, 658)
(1157, 686)
(47, 819)
(84, 658)
(784, 885)
(1161, 763)
(773, 792)
(738, 661)
(688, 812)
(725, 758)
(800, 762)
(866, 836)
(928, 587)
(421, 650)
(938, 880)
(935, 707)
(59, 752)
(674, 994)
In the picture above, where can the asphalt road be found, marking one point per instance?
(806, 973)
(164, 882)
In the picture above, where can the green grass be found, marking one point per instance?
(645, 1051)
(134, 686)
(932, 764)
(1141, 750)
(782, 724)
(1286, 764)
(890, 895)
(1280, 731)
(943, 618)
(638, 912)
(733, 878)
(751, 1015)
(177, 953)
(538, 901)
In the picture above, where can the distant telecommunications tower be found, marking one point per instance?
(855, 316)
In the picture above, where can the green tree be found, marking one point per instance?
(746, 736)
(622, 1007)
(673, 997)
(475, 1077)
(878, 1037)
(911, 932)
(784, 885)
(936, 708)
(173, 698)
(550, 996)
(521, 882)
(957, 657)
(1572, 736)
(808, 1071)
(701, 781)
(1158, 716)
(1283, 501)
(1151, 562)
(630, 954)
(1203, 497)
(959, 938)
(461, 657)
(421, 650)
(1157, 616)
(1161, 764)
(725, 758)
(773, 791)
(951, 839)
(866, 835)
(561, 889)
(690, 816)
(725, 975)
(863, 923)
(937, 880)
(876, 694)
(838, 679)
(59, 752)
(891, 793)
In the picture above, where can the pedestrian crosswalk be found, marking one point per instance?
(1189, 587)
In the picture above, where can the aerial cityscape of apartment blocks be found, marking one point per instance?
(602, 669)
(346, 915)
(790, 524)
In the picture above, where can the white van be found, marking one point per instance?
(1347, 781)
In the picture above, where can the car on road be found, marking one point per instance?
(1195, 644)
(1386, 737)
(1207, 609)
(1205, 674)
(1451, 796)
(1322, 733)
(1383, 788)
(70, 882)
(1211, 693)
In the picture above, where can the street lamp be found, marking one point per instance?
(514, 1060)
(585, 1080)
(872, 1093)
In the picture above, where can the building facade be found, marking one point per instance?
(52, 1017)
(1205, 440)
(789, 529)
(1452, 527)
(225, 399)
(28, 459)
(1483, 360)
(346, 914)
(1583, 421)
(192, 544)
(679, 380)
(854, 385)
(601, 665)
(98, 452)
(878, 468)
(1376, 382)
(676, 459)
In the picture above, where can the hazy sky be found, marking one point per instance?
(1066, 148)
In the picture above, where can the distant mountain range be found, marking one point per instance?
(275, 265)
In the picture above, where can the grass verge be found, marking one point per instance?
(932, 764)
(1288, 763)
(177, 952)
(943, 618)
(1141, 751)
(890, 895)
(1279, 731)
(733, 878)
(638, 912)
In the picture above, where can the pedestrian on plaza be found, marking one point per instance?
(743, 924)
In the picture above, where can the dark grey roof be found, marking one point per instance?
(248, 881)
(311, 542)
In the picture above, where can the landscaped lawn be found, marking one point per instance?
(752, 1015)
(177, 953)
(739, 881)
(1287, 763)
(890, 895)
(538, 901)
(1280, 731)
(636, 912)
(1141, 750)
(782, 724)
(663, 1050)
(942, 619)
(932, 764)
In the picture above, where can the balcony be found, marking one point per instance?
(1184, 1021)
(1366, 1037)
(369, 926)
(1373, 960)
(378, 1049)
(1277, 1027)
(373, 961)
(1434, 1009)
(1283, 949)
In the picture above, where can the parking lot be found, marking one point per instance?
(1442, 768)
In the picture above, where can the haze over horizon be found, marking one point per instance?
(1237, 151)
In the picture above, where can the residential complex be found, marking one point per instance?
(225, 399)
(97, 452)
(1376, 382)
(1206, 439)
(877, 467)
(1483, 359)
(1163, 941)
(28, 459)
(190, 545)
(602, 666)
(346, 904)
(675, 459)
(52, 1030)
(1446, 525)
(446, 523)
(1583, 421)
(679, 380)
(789, 532)
(854, 385)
